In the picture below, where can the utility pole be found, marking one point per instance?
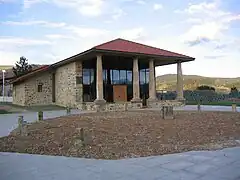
(3, 86)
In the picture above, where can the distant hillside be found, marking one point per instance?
(4, 67)
(191, 82)
(9, 71)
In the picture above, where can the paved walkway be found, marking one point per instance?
(9, 122)
(207, 108)
(202, 165)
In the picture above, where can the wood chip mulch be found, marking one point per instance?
(116, 135)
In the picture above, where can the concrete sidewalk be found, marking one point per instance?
(207, 108)
(202, 165)
(9, 122)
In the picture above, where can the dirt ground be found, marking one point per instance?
(115, 135)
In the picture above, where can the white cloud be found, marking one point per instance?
(86, 32)
(157, 6)
(133, 34)
(5, 41)
(58, 36)
(28, 3)
(199, 8)
(141, 2)
(80, 31)
(85, 7)
(208, 30)
(118, 13)
(29, 23)
(209, 21)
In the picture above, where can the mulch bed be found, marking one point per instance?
(115, 135)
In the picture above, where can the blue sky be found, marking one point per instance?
(46, 31)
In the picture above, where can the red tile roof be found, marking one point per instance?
(117, 45)
(122, 45)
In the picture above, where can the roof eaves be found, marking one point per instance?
(183, 57)
(70, 59)
(30, 74)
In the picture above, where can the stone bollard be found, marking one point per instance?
(80, 140)
(125, 107)
(68, 110)
(21, 125)
(40, 115)
(234, 107)
(167, 112)
(82, 134)
(20, 121)
(199, 107)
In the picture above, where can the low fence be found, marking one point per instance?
(205, 96)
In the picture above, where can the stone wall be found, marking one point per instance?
(159, 104)
(19, 94)
(26, 93)
(68, 84)
(32, 96)
(109, 107)
(124, 106)
(106, 107)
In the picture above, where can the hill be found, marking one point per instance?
(191, 82)
(4, 67)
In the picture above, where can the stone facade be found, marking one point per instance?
(124, 106)
(32, 96)
(19, 94)
(68, 87)
(26, 93)
(68, 84)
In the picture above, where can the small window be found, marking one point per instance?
(40, 87)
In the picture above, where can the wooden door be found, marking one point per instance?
(120, 93)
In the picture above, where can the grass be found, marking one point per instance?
(44, 108)
(2, 111)
(220, 103)
(5, 67)
(18, 108)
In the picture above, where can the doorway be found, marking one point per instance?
(120, 93)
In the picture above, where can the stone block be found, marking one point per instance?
(234, 107)
(167, 112)
(40, 115)
(68, 110)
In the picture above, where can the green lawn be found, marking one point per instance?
(2, 111)
(220, 103)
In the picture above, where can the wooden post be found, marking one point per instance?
(21, 126)
(20, 120)
(167, 112)
(82, 134)
(40, 115)
(199, 107)
(80, 139)
(68, 110)
(234, 107)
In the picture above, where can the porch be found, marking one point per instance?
(119, 82)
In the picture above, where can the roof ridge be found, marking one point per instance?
(106, 42)
(154, 47)
(149, 46)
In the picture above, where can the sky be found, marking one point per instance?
(47, 31)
